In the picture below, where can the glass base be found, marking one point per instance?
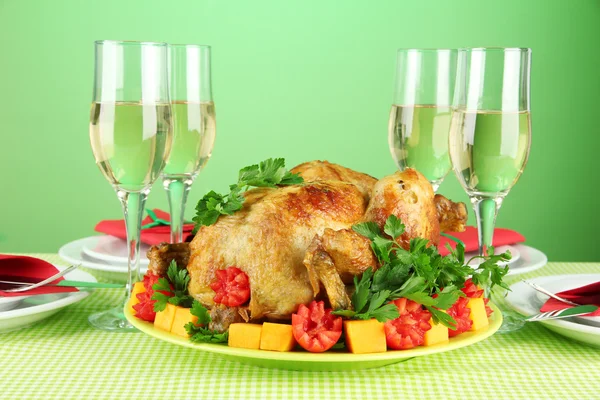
(511, 321)
(112, 320)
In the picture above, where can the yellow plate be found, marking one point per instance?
(328, 361)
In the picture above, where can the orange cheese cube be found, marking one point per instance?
(245, 336)
(164, 319)
(138, 288)
(478, 314)
(365, 336)
(182, 317)
(277, 337)
(437, 334)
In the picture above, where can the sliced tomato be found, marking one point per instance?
(145, 308)
(460, 312)
(473, 291)
(232, 287)
(408, 330)
(315, 328)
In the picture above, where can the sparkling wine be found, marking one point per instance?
(194, 130)
(130, 142)
(489, 149)
(418, 138)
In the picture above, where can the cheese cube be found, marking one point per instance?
(365, 336)
(164, 319)
(277, 337)
(182, 317)
(478, 314)
(245, 336)
(437, 334)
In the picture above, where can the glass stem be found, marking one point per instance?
(133, 208)
(486, 211)
(177, 192)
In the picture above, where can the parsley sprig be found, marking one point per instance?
(268, 173)
(420, 274)
(198, 331)
(176, 285)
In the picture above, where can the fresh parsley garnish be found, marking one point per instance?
(198, 331)
(268, 173)
(420, 274)
(176, 285)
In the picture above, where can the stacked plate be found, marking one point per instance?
(19, 312)
(105, 255)
(527, 301)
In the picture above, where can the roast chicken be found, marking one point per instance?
(296, 243)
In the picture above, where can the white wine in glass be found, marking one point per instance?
(130, 134)
(194, 126)
(421, 113)
(490, 135)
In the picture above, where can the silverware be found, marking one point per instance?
(564, 313)
(547, 293)
(69, 283)
(42, 283)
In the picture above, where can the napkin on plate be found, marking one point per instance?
(588, 294)
(30, 269)
(151, 236)
(469, 238)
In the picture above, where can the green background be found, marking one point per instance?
(302, 80)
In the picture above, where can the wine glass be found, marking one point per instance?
(421, 112)
(194, 126)
(130, 134)
(490, 133)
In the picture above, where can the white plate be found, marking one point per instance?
(524, 299)
(514, 251)
(73, 253)
(111, 249)
(35, 308)
(573, 281)
(529, 259)
(8, 303)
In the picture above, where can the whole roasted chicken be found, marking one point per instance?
(296, 243)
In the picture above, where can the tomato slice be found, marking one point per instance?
(460, 312)
(145, 308)
(408, 330)
(473, 291)
(232, 287)
(315, 328)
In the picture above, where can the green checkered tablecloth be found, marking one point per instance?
(64, 357)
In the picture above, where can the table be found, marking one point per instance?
(64, 357)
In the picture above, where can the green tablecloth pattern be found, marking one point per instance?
(64, 357)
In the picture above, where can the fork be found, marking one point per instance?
(45, 281)
(564, 313)
(547, 293)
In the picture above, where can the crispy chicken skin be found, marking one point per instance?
(409, 196)
(325, 171)
(268, 238)
(296, 243)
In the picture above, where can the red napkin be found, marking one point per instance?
(151, 236)
(469, 237)
(589, 294)
(22, 268)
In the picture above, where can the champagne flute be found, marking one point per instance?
(421, 113)
(194, 126)
(130, 135)
(490, 134)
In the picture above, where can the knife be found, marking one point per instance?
(564, 313)
(69, 283)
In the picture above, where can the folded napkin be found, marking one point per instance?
(469, 238)
(157, 230)
(588, 294)
(29, 269)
